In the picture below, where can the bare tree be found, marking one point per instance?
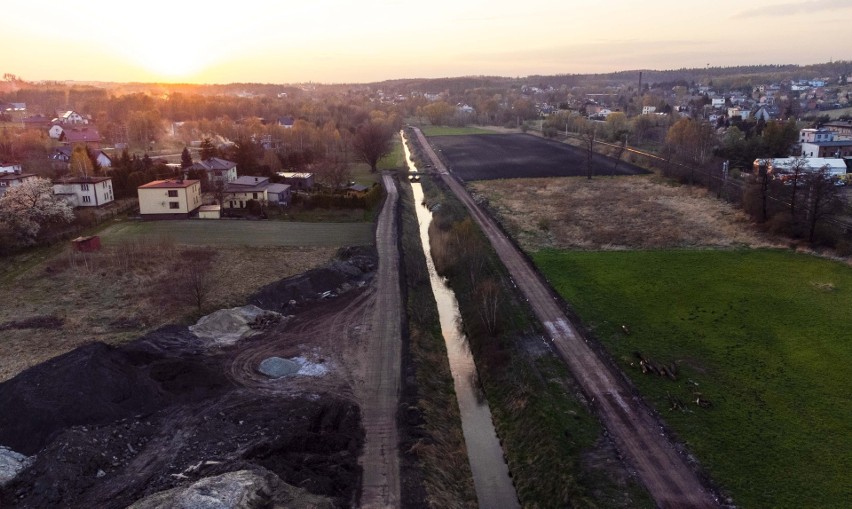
(333, 172)
(796, 174)
(372, 141)
(488, 304)
(822, 199)
(195, 279)
(588, 133)
(619, 152)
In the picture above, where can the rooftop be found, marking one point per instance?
(168, 184)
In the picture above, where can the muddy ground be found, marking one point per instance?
(502, 156)
(110, 425)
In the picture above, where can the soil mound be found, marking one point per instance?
(245, 489)
(354, 267)
(306, 442)
(112, 425)
(227, 326)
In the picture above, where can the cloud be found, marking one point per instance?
(794, 8)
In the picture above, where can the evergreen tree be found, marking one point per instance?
(208, 150)
(185, 159)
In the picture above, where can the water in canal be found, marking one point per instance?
(494, 487)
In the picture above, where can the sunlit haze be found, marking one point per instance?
(371, 40)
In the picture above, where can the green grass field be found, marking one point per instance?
(434, 130)
(244, 233)
(765, 336)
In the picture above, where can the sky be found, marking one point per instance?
(358, 41)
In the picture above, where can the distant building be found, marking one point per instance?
(9, 167)
(842, 129)
(286, 122)
(70, 118)
(834, 166)
(85, 191)
(298, 181)
(815, 135)
(647, 110)
(244, 189)
(9, 180)
(836, 148)
(217, 170)
(61, 157)
(169, 199)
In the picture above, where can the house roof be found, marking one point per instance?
(358, 188)
(85, 134)
(81, 180)
(259, 188)
(214, 163)
(294, 175)
(17, 176)
(836, 143)
(277, 188)
(247, 180)
(813, 163)
(169, 184)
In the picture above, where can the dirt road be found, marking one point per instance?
(665, 473)
(379, 394)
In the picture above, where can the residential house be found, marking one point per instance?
(169, 199)
(298, 181)
(10, 107)
(39, 122)
(717, 102)
(278, 194)
(841, 128)
(286, 122)
(835, 148)
(764, 113)
(9, 167)
(647, 110)
(70, 118)
(738, 112)
(61, 157)
(239, 192)
(85, 191)
(217, 170)
(812, 135)
(13, 180)
(87, 135)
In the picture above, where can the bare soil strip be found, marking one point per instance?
(379, 394)
(665, 473)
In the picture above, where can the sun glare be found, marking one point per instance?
(170, 57)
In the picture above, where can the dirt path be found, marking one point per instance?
(665, 473)
(379, 394)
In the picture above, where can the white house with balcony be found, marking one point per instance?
(85, 191)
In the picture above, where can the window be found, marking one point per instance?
(84, 187)
(254, 195)
(87, 199)
(173, 193)
(174, 205)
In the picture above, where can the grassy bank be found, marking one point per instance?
(555, 447)
(761, 338)
(436, 466)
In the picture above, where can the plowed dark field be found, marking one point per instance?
(501, 156)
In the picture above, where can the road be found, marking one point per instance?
(636, 432)
(380, 392)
